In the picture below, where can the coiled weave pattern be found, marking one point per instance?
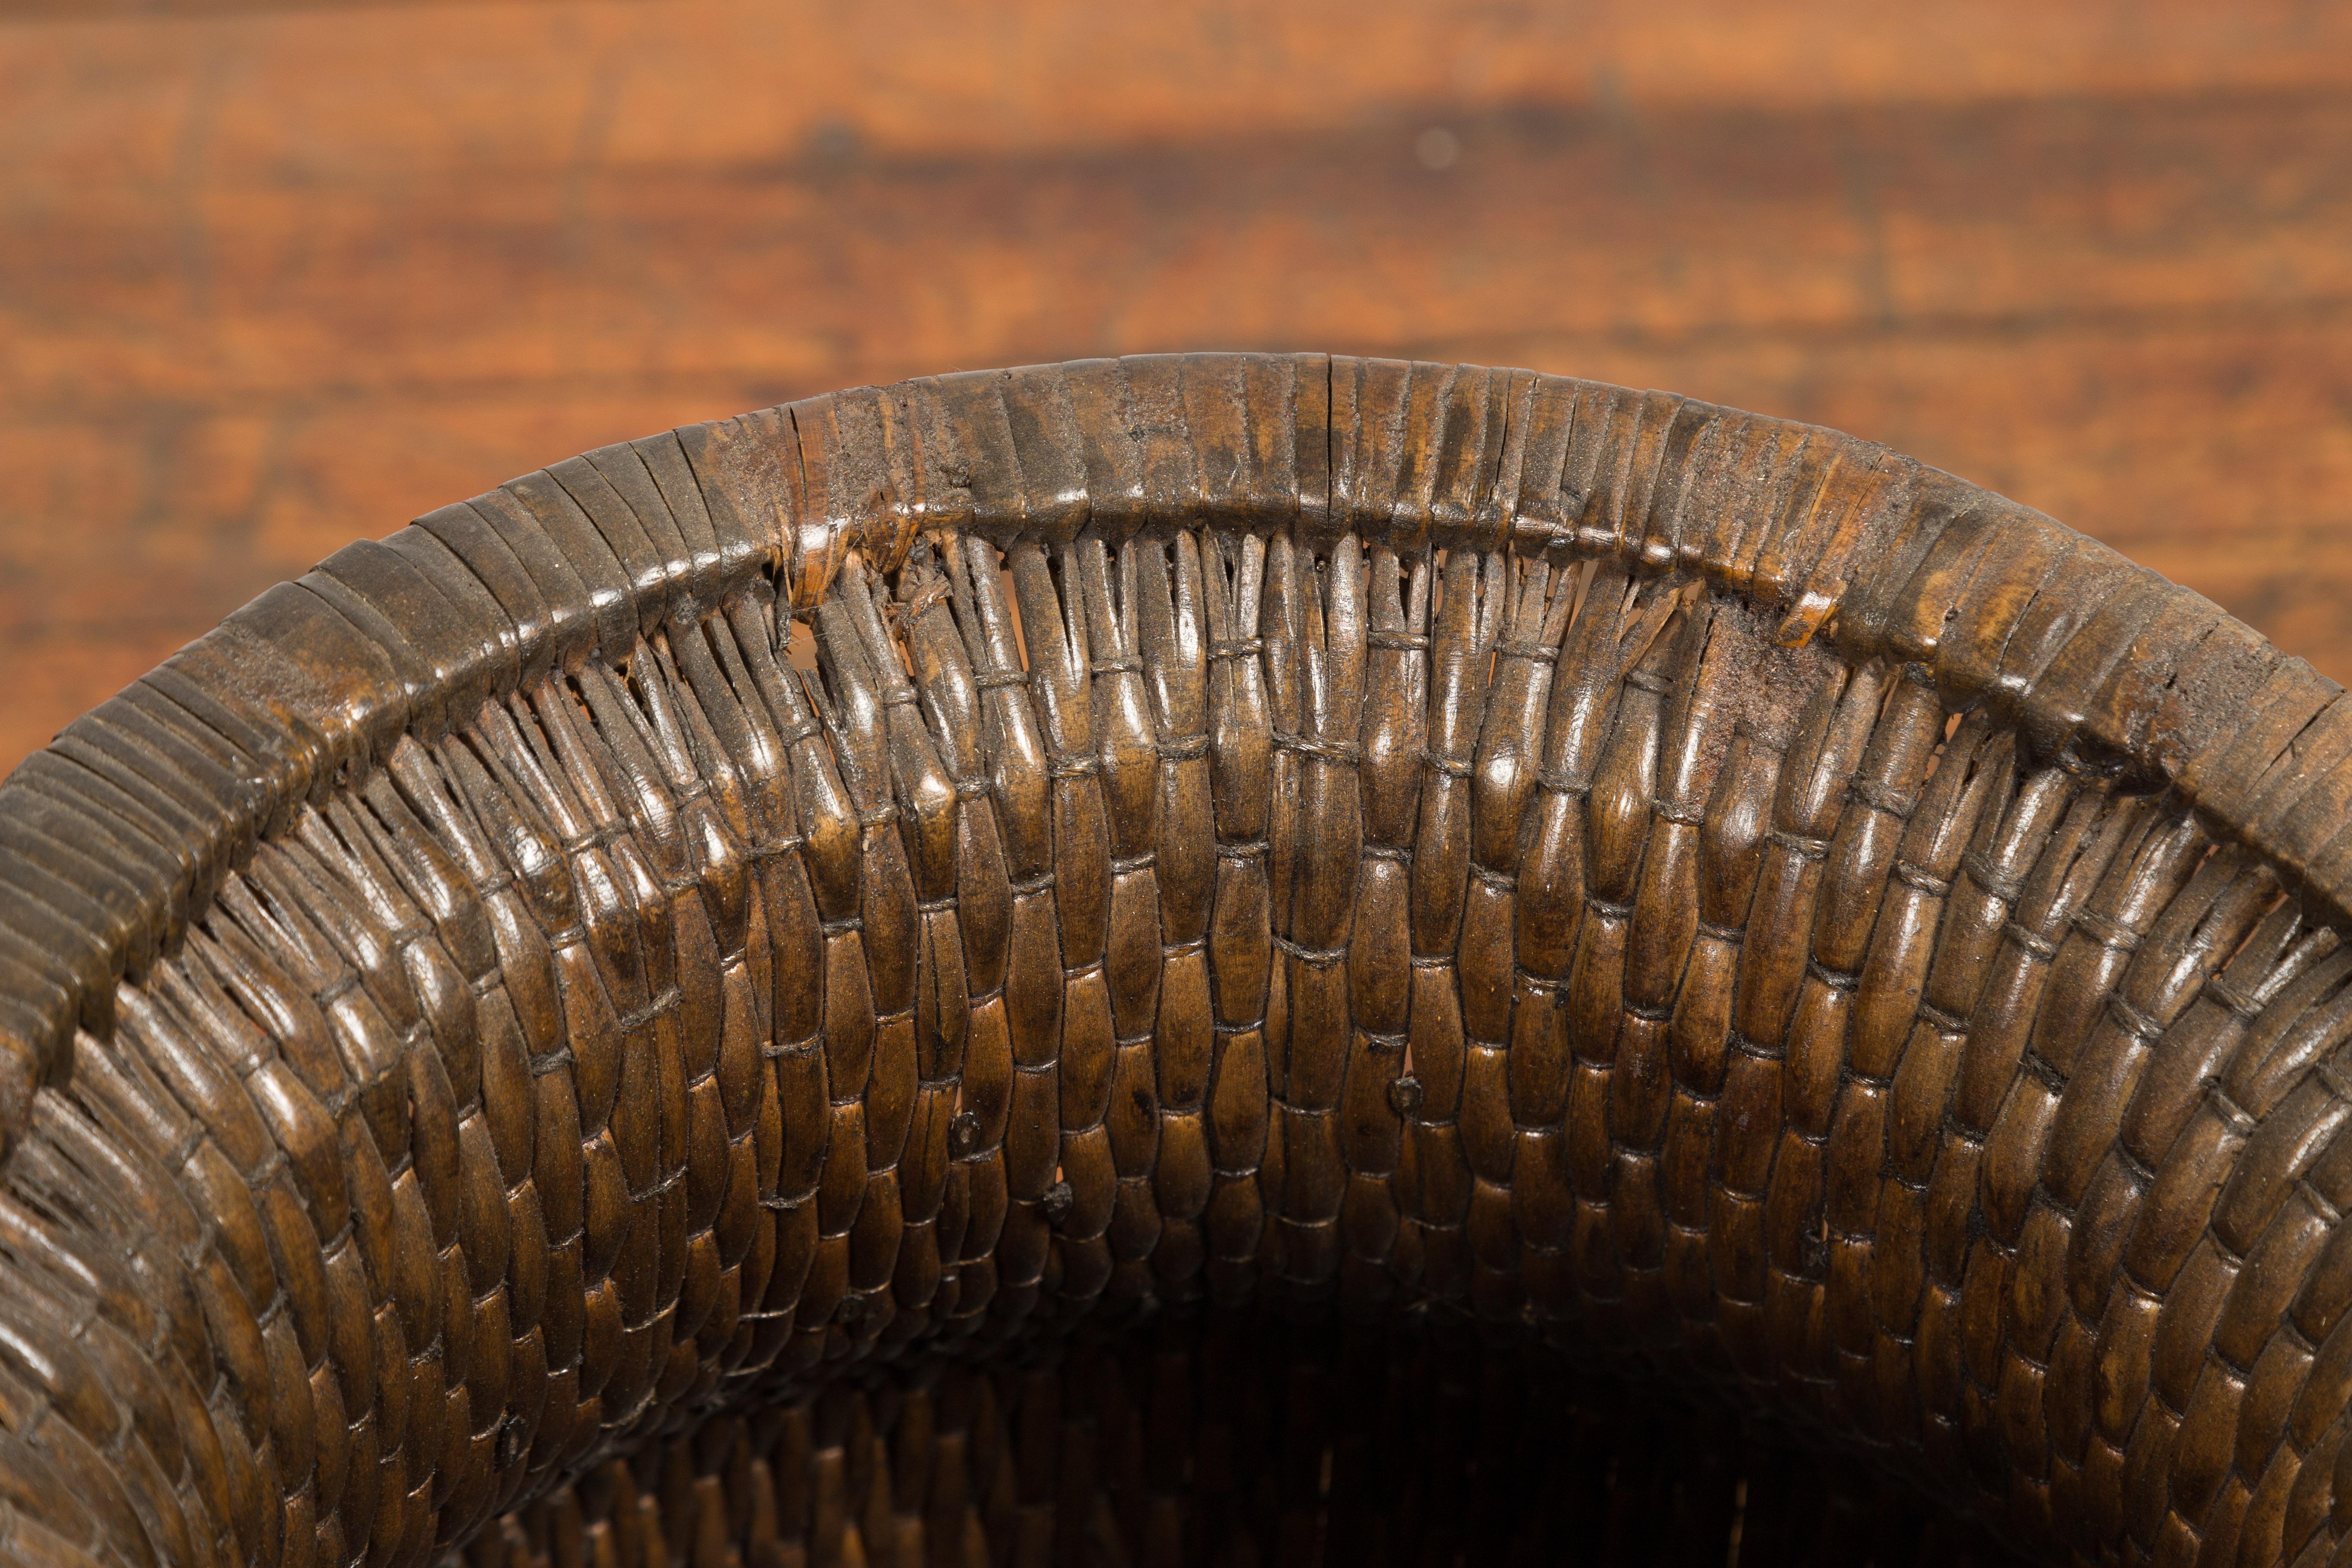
(1349, 837)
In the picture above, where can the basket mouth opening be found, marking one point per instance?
(1289, 1431)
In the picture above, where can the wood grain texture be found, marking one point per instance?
(283, 277)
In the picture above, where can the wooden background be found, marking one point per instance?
(276, 276)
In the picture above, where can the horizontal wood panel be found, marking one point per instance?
(404, 90)
(1665, 225)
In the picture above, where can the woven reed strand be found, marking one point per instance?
(672, 1036)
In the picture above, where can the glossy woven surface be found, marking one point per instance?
(1365, 839)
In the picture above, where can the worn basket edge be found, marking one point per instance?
(112, 839)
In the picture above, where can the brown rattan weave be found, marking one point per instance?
(1321, 958)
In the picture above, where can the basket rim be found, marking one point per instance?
(2095, 662)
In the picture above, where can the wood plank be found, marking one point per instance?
(1700, 223)
(430, 88)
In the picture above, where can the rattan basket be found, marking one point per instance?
(1207, 959)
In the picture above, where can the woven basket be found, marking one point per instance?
(1306, 958)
